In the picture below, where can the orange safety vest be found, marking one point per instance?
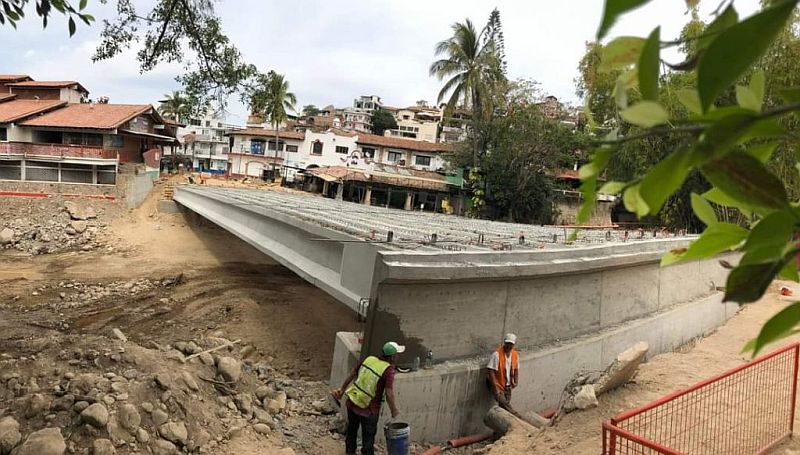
(501, 368)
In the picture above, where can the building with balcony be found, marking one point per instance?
(419, 123)
(359, 116)
(46, 137)
(420, 155)
(204, 142)
(255, 152)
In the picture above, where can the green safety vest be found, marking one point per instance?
(363, 389)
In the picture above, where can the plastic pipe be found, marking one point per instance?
(467, 440)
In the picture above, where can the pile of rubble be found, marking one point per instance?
(52, 229)
(115, 396)
(583, 389)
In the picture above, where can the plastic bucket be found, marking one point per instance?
(398, 435)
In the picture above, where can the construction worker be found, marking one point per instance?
(503, 372)
(374, 377)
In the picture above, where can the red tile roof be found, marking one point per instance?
(384, 173)
(405, 144)
(48, 84)
(7, 97)
(263, 132)
(11, 111)
(92, 116)
(14, 77)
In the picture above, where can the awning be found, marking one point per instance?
(326, 177)
(169, 139)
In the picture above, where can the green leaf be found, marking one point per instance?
(728, 18)
(745, 179)
(733, 52)
(649, 66)
(614, 9)
(715, 239)
(690, 100)
(599, 162)
(748, 282)
(645, 114)
(716, 196)
(720, 138)
(747, 99)
(768, 238)
(620, 52)
(757, 86)
(83, 4)
(588, 192)
(762, 129)
(791, 95)
(634, 202)
(663, 179)
(704, 211)
(612, 187)
(71, 26)
(587, 111)
(778, 327)
(789, 272)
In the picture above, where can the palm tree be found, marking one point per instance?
(174, 105)
(272, 100)
(472, 64)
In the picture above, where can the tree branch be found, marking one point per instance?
(167, 21)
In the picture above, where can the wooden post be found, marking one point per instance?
(368, 195)
(409, 199)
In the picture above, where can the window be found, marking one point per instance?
(341, 149)
(369, 151)
(420, 160)
(84, 139)
(116, 141)
(3, 134)
(208, 123)
(194, 122)
(257, 147)
(394, 157)
(291, 148)
(205, 132)
(406, 117)
(272, 145)
(316, 148)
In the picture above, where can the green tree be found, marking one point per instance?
(382, 120)
(271, 99)
(175, 106)
(731, 133)
(310, 110)
(472, 68)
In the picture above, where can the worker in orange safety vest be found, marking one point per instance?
(503, 372)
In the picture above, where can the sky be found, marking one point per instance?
(332, 52)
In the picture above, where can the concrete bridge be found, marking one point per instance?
(454, 286)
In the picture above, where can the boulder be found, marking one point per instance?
(6, 236)
(159, 417)
(244, 401)
(162, 447)
(79, 226)
(261, 428)
(622, 368)
(142, 435)
(95, 415)
(9, 435)
(37, 404)
(129, 417)
(174, 432)
(43, 442)
(188, 379)
(103, 447)
(118, 334)
(229, 368)
(77, 212)
(585, 398)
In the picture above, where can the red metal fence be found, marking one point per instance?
(746, 410)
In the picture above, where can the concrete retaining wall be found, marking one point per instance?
(451, 399)
(461, 305)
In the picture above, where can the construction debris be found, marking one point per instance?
(622, 368)
(504, 422)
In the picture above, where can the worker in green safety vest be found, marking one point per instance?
(364, 388)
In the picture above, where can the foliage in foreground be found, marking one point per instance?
(727, 143)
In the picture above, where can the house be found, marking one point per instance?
(359, 116)
(69, 91)
(389, 186)
(6, 79)
(48, 136)
(206, 143)
(418, 123)
(255, 153)
(420, 155)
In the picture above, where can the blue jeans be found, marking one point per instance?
(369, 427)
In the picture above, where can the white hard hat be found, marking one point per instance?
(510, 338)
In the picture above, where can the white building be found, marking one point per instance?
(254, 152)
(417, 123)
(205, 141)
(421, 155)
(359, 117)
